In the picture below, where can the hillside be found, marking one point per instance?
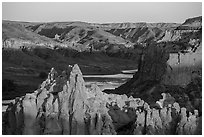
(84, 36)
(31, 49)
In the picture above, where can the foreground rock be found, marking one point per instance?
(62, 105)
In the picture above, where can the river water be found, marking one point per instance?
(109, 81)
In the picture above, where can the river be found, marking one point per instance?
(109, 81)
(102, 81)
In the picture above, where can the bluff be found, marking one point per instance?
(160, 71)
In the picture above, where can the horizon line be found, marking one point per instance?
(95, 22)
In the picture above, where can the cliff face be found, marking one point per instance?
(63, 105)
(160, 71)
(183, 67)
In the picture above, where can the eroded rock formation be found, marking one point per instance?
(63, 105)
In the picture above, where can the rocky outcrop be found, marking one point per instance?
(171, 35)
(146, 81)
(63, 105)
(192, 23)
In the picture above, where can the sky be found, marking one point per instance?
(101, 12)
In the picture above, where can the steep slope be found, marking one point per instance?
(193, 23)
(18, 31)
(77, 34)
(144, 32)
(185, 32)
(123, 33)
